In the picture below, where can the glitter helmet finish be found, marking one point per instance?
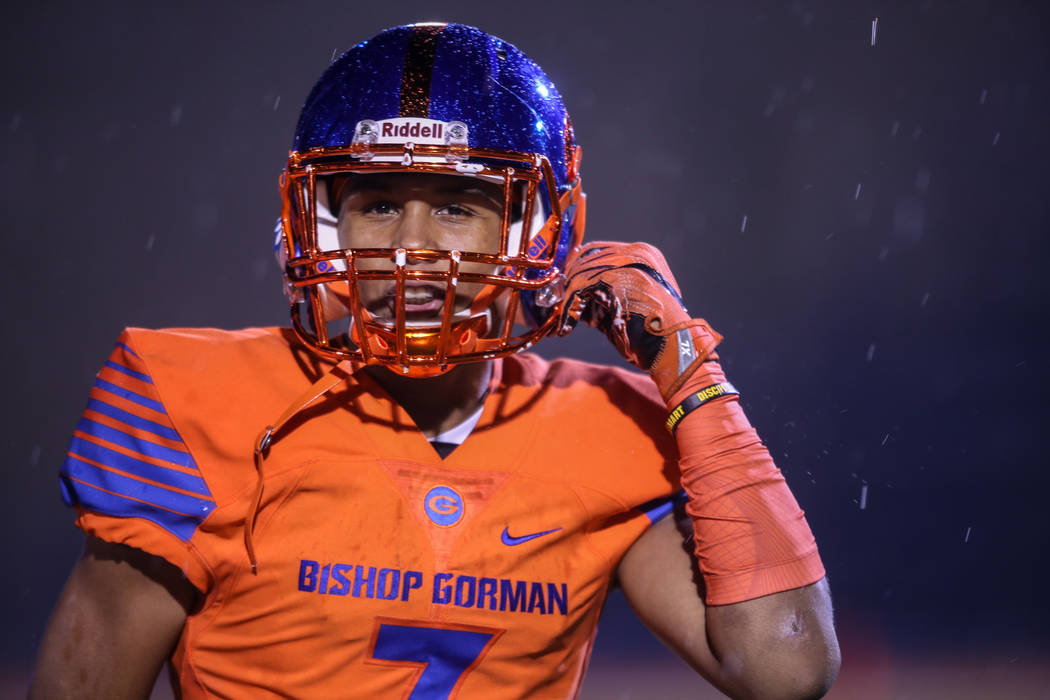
(442, 99)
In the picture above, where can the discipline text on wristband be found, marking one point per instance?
(696, 400)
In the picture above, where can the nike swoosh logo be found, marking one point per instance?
(511, 541)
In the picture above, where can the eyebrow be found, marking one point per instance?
(370, 184)
(385, 185)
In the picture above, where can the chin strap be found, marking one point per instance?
(333, 378)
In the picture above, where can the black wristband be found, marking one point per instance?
(696, 400)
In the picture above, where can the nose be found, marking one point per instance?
(414, 227)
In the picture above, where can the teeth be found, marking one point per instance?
(419, 295)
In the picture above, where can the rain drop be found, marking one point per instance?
(743, 224)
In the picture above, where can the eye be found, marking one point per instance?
(454, 210)
(379, 208)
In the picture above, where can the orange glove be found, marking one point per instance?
(627, 291)
(751, 537)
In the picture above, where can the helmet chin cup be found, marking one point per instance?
(422, 343)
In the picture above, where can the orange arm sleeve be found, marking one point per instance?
(751, 537)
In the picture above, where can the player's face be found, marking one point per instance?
(419, 211)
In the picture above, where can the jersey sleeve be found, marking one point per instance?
(129, 474)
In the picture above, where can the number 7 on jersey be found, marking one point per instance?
(444, 653)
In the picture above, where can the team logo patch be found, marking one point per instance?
(443, 506)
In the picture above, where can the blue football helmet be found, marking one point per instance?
(443, 100)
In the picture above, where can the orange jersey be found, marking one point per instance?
(384, 571)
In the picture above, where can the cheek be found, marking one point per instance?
(344, 228)
(370, 290)
(363, 235)
(483, 236)
(357, 232)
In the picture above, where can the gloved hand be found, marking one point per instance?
(736, 493)
(627, 291)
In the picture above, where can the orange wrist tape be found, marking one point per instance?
(751, 537)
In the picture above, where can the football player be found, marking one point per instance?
(391, 499)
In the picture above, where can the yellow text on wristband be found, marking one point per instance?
(696, 400)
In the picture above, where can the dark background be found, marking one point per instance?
(866, 224)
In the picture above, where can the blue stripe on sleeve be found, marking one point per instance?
(132, 420)
(659, 512)
(128, 371)
(191, 506)
(145, 470)
(130, 395)
(659, 508)
(128, 349)
(95, 499)
(145, 447)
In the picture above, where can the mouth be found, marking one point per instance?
(423, 301)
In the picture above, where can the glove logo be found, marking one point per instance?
(443, 505)
(685, 350)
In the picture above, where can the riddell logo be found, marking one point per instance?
(537, 246)
(433, 130)
(414, 130)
